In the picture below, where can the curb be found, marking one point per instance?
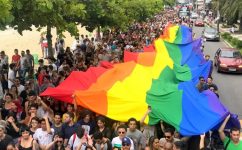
(227, 43)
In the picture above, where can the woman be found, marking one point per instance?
(9, 106)
(12, 127)
(26, 141)
(107, 135)
(34, 125)
(154, 143)
(16, 98)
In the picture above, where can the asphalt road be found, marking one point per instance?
(229, 85)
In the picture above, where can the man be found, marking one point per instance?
(45, 134)
(201, 86)
(179, 145)
(136, 135)
(24, 65)
(207, 58)
(46, 83)
(16, 58)
(30, 59)
(168, 146)
(168, 136)
(68, 128)
(100, 143)
(51, 61)
(4, 63)
(232, 143)
(117, 141)
(57, 123)
(126, 143)
(211, 84)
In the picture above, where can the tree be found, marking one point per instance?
(6, 16)
(232, 11)
(60, 14)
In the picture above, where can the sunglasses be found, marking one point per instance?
(202, 80)
(167, 137)
(59, 141)
(125, 144)
(121, 132)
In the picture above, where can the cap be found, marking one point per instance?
(32, 93)
(126, 140)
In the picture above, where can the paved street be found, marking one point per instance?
(230, 85)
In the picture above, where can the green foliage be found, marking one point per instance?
(235, 41)
(5, 13)
(239, 44)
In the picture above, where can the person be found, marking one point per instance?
(169, 136)
(100, 141)
(8, 107)
(56, 144)
(44, 134)
(179, 145)
(4, 138)
(201, 86)
(136, 135)
(168, 146)
(233, 142)
(79, 137)
(30, 59)
(101, 127)
(207, 58)
(202, 142)
(26, 142)
(154, 143)
(12, 127)
(211, 84)
(16, 59)
(126, 143)
(24, 65)
(87, 123)
(4, 65)
(117, 141)
(11, 75)
(148, 130)
(11, 146)
(34, 124)
(68, 128)
(57, 123)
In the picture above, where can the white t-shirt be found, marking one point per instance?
(117, 142)
(20, 89)
(11, 75)
(76, 143)
(43, 137)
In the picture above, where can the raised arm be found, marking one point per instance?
(221, 129)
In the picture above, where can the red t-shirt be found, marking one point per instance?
(16, 58)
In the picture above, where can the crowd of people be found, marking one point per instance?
(31, 122)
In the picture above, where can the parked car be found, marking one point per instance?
(211, 34)
(199, 23)
(228, 60)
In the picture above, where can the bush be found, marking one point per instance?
(229, 37)
(239, 44)
(235, 41)
(225, 35)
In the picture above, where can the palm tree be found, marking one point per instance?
(231, 9)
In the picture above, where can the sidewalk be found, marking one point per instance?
(239, 36)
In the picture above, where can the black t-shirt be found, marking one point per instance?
(4, 143)
(11, 131)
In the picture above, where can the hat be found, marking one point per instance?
(32, 93)
(126, 140)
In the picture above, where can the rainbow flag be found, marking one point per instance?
(164, 79)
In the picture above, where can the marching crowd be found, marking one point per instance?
(31, 122)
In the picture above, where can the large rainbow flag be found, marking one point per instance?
(164, 78)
